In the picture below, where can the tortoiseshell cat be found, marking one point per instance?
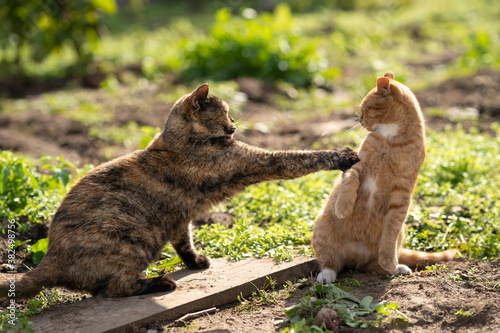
(117, 218)
(362, 224)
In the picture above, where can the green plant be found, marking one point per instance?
(20, 324)
(148, 134)
(33, 306)
(483, 51)
(262, 296)
(302, 316)
(163, 266)
(266, 46)
(39, 249)
(28, 196)
(467, 313)
(348, 283)
(435, 267)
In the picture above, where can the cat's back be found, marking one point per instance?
(120, 187)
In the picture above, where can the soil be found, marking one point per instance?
(463, 297)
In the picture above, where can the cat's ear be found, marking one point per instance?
(200, 94)
(389, 75)
(383, 84)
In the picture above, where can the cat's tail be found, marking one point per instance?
(413, 258)
(24, 285)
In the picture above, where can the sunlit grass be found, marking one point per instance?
(455, 205)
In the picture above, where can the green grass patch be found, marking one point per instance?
(457, 195)
(31, 191)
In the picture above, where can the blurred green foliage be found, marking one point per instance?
(482, 51)
(35, 29)
(316, 44)
(27, 195)
(266, 46)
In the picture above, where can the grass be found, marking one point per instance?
(457, 195)
(28, 194)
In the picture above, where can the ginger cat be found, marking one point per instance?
(116, 219)
(362, 224)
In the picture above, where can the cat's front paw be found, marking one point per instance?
(401, 270)
(201, 262)
(347, 158)
(388, 262)
(327, 275)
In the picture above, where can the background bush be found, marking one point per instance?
(265, 46)
(27, 195)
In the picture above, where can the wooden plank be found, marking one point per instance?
(197, 290)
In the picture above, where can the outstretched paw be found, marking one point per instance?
(401, 270)
(347, 158)
(327, 275)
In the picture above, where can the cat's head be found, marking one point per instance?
(204, 116)
(388, 106)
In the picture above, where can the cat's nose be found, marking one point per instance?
(232, 119)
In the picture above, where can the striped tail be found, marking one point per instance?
(413, 258)
(22, 285)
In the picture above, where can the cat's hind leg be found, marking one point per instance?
(401, 270)
(330, 266)
(327, 250)
(327, 275)
(137, 285)
(374, 266)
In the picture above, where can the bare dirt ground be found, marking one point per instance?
(463, 297)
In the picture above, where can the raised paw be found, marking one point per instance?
(343, 208)
(401, 270)
(327, 275)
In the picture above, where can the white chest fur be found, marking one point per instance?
(387, 130)
(370, 186)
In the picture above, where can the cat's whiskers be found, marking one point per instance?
(247, 115)
(354, 127)
(360, 96)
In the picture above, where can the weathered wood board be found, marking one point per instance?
(197, 290)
